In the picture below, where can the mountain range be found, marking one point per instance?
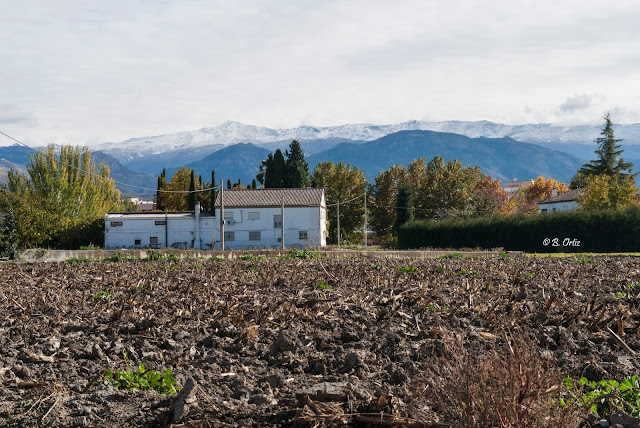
(235, 150)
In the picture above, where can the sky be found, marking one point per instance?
(86, 72)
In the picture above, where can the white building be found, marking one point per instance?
(567, 201)
(253, 220)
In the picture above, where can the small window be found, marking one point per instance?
(138, 242)
(254, 215)
(229, 236)
(543, 210)
(228, 215)
(279, 239)
(153, 240)
(254, 235)
(161, 222)
(277, 221)
(302, 234)
(116, 223)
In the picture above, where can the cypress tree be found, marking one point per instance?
(254, 184)
(162, 182)
(228, 183)
(191, 198)
(279, 168)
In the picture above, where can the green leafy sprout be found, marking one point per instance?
(603, 397)
(141, 379)
(407, 269)
(103, 295)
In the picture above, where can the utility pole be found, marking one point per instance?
(365, 219)
(221, 215)
(338, 223)
(282, 225)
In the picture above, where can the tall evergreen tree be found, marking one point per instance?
(609, 161)
(404, 209)
(229, 183)
(162, 183)
(297, 169)
(277, 172)
(253, 184)
(191, 198)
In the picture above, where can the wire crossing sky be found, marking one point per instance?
(86, 72)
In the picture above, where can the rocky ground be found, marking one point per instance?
(346, 342)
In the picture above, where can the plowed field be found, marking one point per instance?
(344, 342)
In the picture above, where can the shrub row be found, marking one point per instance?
(576, 231)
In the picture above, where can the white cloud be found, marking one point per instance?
(132, 68)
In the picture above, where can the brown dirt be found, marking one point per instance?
(348, 342)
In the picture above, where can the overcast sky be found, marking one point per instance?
(85, 72)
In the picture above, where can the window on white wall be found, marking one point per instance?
(302, 234)
(254, 215)
(254, 235)
(137, 242)
(153, 240)
(230, 236)
(116, 223)
(228, 215)
(277, 221)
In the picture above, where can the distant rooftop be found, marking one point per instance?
(271, 198)
(568, 196)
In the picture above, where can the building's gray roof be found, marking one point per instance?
(569, 196)
(271, 198)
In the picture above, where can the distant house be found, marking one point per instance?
(143, 206)
(567, 201)
(253, 220)
(512, 187)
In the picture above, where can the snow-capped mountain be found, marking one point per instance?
(230, 133)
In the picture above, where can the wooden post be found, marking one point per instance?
(338, 223)
(365, 219)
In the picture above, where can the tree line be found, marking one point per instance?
(65, 196)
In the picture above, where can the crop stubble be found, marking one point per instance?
(308, 342)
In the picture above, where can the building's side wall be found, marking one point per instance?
(132, 229)
(297, 220)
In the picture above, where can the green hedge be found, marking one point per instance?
(596, 231)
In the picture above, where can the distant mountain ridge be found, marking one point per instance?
(230, 133)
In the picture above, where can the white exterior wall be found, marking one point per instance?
(559, 206)
(296, 219)
(180, 231)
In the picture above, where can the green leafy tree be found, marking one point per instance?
(383, 201)
(344, 183)
(606, 192)
(64, 203)
(177, 197)
(264, 167)
(296, 168)
(404, 207)
(609, 161)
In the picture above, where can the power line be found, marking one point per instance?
(117, 182)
